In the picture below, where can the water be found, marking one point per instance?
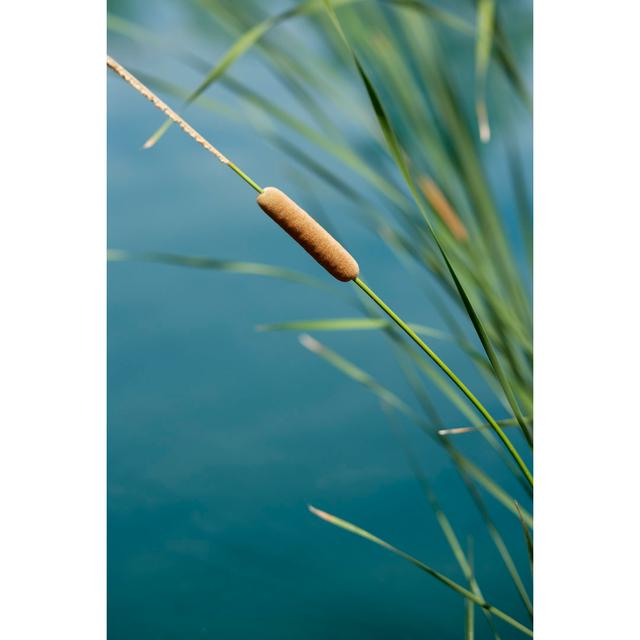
(219, 436)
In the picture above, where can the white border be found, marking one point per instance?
(586, 318)
(52, 322)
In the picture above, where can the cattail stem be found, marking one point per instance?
(452, 376)
(252, 183)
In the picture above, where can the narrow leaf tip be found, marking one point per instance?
(310, 343)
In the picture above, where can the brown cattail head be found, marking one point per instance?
(314, 239)
(443, 208)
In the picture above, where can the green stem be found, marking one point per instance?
(452, 376)
(245, 177)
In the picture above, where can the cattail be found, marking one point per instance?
(443, 208)
(313, 238)
(317, 242)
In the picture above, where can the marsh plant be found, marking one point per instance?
(422, 187)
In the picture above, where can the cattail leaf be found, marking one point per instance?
(506, 59)
(456, 431)
(346, 324)
(355, 373)
(484, 43)
(362, 533)
(527, 535)
(230, 266)
(469, 622)
(490, 486)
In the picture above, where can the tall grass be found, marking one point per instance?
(426, 194)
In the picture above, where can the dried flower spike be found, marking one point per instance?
(314, 239)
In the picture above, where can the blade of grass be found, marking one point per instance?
(231, 266)
(358, 531)
(469, 623)
(346, 324)
(509, 65)
(484, 43)
(355, 373)
(455, 431)
(523, 200)
(527, 536)
(488, 484)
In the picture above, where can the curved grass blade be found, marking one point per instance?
(509, 66)
(355, 373)
(445, 17)
(231, 266)
(527, 536)
(346, 324)
(523, 200)
(488, 484)
(469, 623)
(469, 595)
(456, 431)
(484, 43)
